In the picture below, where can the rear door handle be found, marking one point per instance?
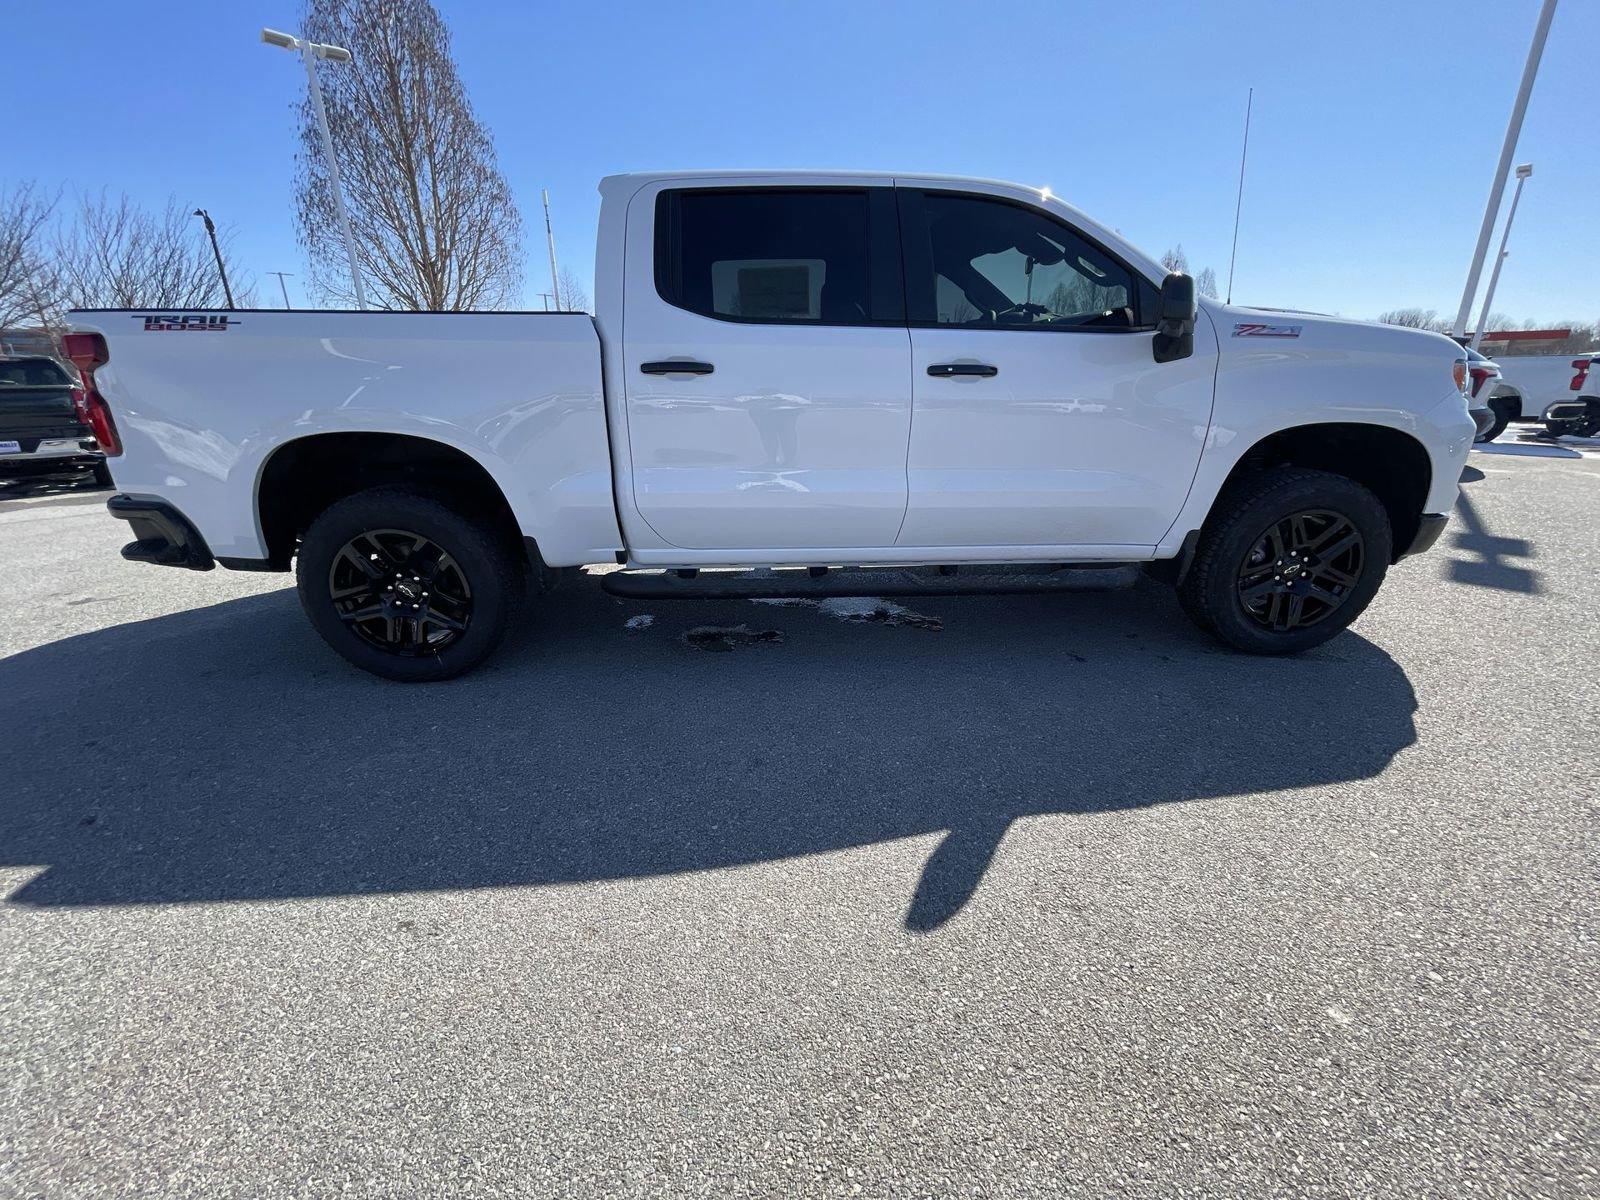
(946, 370)
(676, 367)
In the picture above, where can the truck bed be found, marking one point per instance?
(204, 399)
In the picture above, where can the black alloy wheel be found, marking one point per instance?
(1301, 570)
(400, 592)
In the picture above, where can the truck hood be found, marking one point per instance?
(1239, 326)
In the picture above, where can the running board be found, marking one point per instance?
(766, 583)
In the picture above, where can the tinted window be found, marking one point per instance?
(997, 264)
(32, 372)
(768, 256)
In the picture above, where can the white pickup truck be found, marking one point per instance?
(787, 370)
(1531, 385)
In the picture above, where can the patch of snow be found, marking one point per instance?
(642, 621)
(861, 608)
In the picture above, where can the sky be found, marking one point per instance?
(1375, 132)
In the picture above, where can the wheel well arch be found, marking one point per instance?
(301, 478)
(1393, 464)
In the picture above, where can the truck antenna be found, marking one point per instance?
(1238, 203)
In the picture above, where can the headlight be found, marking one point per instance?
(1462, 377)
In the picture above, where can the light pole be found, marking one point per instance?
(1530, 69)
(310, 52)
(1523, 172)
(211, 231)
(281, 287)
(550, 238)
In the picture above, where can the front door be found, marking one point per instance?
(1041, 415)
(767, 367)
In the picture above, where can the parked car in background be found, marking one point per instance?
(43, 425)
(788, 370)
(1485, 376)
(1530, 383)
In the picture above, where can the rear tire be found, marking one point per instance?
(102, 475)
(405, 586)
(1503, 411)
(1287, 559)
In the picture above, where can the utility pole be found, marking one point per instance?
(281, 288)
(211, 231)
(546, 297)
(1525, 170)
(310, 52)
(1507, 149)
(550, 239)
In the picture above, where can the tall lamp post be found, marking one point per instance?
(211, 232)
(1530, 69)
(310, 52)
(1523, 172)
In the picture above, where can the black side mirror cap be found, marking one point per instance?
(1175, 319)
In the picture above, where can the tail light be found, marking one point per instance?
(88, 351)
(1479, 376)
(1581, 365)
(1459, 373)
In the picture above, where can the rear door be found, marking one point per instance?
(766, 366)
(1042, 417)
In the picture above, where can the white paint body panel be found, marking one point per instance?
(797, 440)
(200, 413)
(1540, 380)
(809, 445)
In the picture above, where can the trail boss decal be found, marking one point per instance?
(1256, 329)
(192, 322)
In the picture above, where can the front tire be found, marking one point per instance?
(1287, 559)
(405, 586)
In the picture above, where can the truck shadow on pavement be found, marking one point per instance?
(223, 753)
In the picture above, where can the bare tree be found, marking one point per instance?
(570, 296)
(434, 222)
(118, 255)
(1176, 260)
(27, 291)
(1415, 318)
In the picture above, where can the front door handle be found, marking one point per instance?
(947, 370)
(676, 367)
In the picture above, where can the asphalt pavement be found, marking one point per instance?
(1029, 896)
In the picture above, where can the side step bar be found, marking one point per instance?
(801, 582)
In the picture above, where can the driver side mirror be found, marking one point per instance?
(1175, 318)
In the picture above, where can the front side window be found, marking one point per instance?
(999, 264)
(769, 256)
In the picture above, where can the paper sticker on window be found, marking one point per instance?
(768, 289)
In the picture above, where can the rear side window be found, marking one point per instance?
(779, 256)
(34, 372)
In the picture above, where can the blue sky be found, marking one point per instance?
(1376, 124)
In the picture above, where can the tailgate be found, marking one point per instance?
(28, 414)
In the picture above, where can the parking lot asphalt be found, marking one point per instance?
(1058, 899)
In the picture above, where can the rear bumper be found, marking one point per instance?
(1429, 530)
(164, 536)
(48, 453)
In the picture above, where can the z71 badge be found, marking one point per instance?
(192, 322)
(1256, 329)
